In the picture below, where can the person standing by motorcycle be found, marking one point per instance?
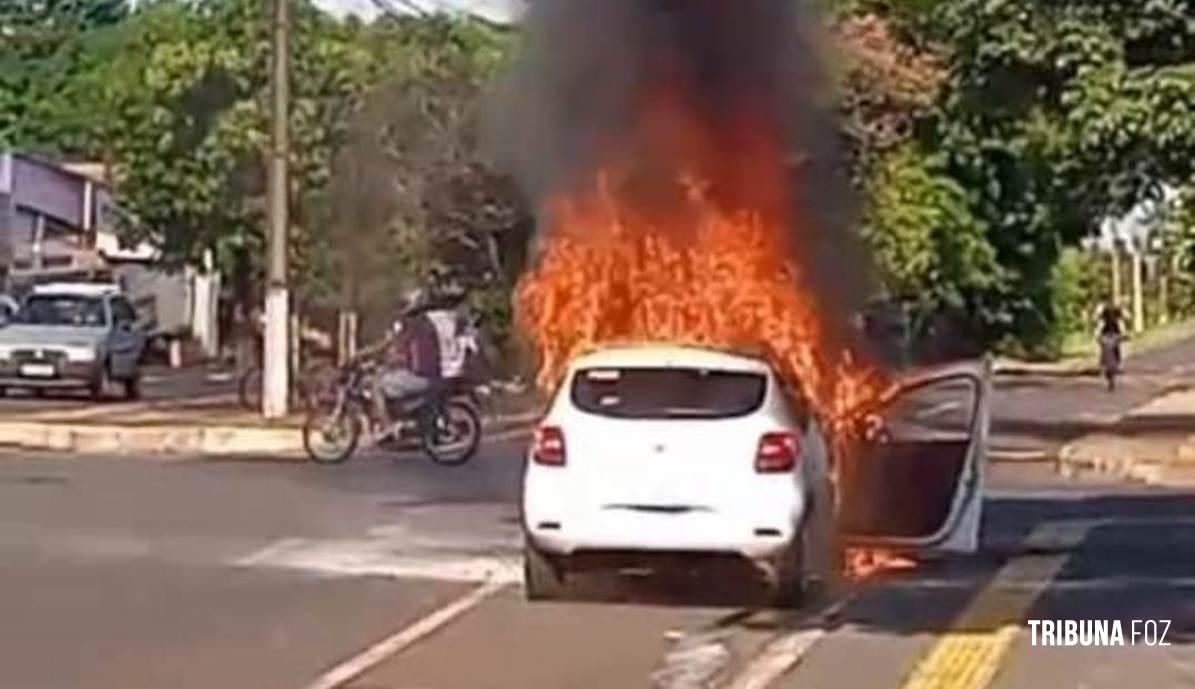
(409, 359)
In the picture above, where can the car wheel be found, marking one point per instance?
(822, 548)
(785, 578)
(132, 388)
(99, 387)
(543, 579)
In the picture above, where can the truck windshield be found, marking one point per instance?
(65, 310)
(667, 393)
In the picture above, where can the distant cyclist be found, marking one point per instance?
(1110, 332)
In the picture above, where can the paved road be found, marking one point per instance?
(1043, 411)
(124, 573)
(159, 383)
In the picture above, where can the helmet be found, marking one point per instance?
(413, 300)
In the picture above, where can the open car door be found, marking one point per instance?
(914, 481)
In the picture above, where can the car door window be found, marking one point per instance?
(122, 313)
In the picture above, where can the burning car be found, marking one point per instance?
(689, 193)
(660, 449)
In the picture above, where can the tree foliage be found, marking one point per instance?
(932, 250)
(411, 191)
(1058, 114)
(47, 52)
(989, 138)
(189, 132)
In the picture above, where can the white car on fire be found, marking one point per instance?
(662, 450)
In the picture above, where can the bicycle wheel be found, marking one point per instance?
(249, 389)
(317, 385)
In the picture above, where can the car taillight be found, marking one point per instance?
(778, 452)
(548, 448)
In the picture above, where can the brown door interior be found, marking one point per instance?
(900, 481)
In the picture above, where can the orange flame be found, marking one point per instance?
(645, 254)
(610, 275)
(862, 563)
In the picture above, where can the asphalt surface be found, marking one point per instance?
(1040, 412)
(142, 572)
(129, 573)
(159, 383)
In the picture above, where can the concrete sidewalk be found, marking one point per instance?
(1153, 444)
(211, 426)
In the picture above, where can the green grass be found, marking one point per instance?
(1082, 346)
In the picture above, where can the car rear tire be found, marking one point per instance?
(786, 578)
(543, 578)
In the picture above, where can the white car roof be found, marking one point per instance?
(88, 289)
(649, 355)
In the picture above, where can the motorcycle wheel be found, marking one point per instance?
(331, 436)
(451, 435)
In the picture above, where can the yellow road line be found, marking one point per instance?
(970, 653)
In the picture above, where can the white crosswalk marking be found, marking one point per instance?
(395, 552)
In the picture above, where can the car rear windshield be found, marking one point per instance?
(667, 393)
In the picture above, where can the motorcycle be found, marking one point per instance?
(445, 420)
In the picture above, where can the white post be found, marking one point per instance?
(7, 217)
(1117, 291)
(1138, 293)
(275, 368)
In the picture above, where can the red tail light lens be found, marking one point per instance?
(778, 453)
(548, 449)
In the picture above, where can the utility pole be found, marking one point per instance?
(275, 368)
(8, 213)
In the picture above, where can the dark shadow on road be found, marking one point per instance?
(1136, 561)
(1049, 374)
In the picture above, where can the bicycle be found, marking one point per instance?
(315, 382)
(1110, 358)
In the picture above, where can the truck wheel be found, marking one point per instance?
(543, 579)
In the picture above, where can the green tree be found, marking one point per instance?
(48, 50)
(411, 191)
(1057, 114)
(932, 251)
(188, 99)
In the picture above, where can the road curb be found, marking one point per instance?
(123, 439)
(1091, 457)
(185, 439)
(1145, 471)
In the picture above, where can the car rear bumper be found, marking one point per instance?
(760, 531)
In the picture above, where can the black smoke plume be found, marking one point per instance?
(588, 68)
